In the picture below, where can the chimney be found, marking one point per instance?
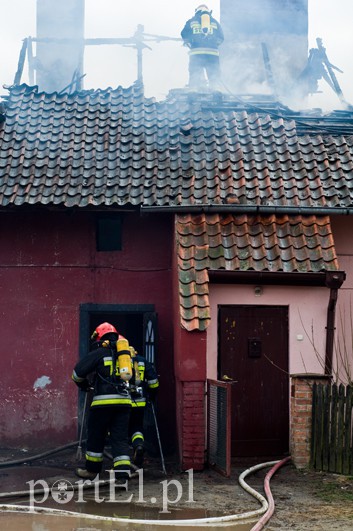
(280, 25)
(57, 64)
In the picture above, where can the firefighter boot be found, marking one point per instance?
(85, 474)
(122, 478)
(138, 456)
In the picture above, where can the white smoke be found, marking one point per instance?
(165, 65)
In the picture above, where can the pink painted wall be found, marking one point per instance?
(307, 314)
(342, 227)
(307, 311)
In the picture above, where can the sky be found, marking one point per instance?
(165, 65)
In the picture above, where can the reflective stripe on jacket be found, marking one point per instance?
(109, 388)
(204, 51)
(111, 400)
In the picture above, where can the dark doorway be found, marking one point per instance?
(136, 322)
(253, 351)
(129, 319)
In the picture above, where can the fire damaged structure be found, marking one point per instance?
(225, 228)
(213, 230)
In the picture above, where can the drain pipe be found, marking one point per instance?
(334, 281)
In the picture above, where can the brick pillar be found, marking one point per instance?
(301, 416)
(193, 426)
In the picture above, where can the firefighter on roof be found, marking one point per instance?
(203, 35)
(110, 364)
(144, 385)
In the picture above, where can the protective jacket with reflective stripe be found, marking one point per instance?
(109, 388)
(144, 381)
(195, 38)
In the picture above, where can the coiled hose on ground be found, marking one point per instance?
(266, 510)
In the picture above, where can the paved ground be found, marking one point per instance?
(303, 500)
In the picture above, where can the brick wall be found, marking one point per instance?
(301, 416)
(193, 426)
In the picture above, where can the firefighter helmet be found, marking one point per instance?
(102, 330)
(202, 7)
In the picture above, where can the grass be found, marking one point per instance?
(335, 489)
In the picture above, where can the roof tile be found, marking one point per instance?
(243, 243)
(205, 156)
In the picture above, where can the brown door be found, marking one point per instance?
(253, 351)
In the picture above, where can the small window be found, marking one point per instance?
(108, 233)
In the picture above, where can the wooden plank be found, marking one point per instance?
(340, 431)
(333, 429)
(326, 427)
(21, 62)
(347, 452)
(332, 425)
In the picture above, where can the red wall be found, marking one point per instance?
(190, 374)
(49, 266)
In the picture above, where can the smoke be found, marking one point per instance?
(165, 63)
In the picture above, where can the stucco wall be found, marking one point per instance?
(50, 266)
(342, 227)
(307, 309)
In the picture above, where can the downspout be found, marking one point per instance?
(334, 281)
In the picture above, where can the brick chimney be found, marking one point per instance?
(56, 63)
(282, 25)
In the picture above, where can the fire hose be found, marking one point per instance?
(266, 509)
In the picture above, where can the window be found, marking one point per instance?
(108, 233)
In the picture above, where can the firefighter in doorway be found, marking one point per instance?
(144, 385)
(110, 364)
(203, 35)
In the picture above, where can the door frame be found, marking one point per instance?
(248, 305)
(87, 309)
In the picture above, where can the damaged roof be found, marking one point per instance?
(116, 148)
(256, 184)
(245, 243)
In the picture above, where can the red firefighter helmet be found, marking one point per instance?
(102, 330)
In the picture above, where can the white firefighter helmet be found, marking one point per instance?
(202, 7)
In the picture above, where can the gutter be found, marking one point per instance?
(273, 278)
(248, 209)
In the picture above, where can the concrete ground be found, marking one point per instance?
(303, 500)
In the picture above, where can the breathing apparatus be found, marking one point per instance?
(205, 18)
(136, 390)
(137, 375)
(124, 359)
(121, 366)
(108, 337)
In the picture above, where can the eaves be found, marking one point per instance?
(249, 209)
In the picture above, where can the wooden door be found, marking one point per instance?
(253, 351)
